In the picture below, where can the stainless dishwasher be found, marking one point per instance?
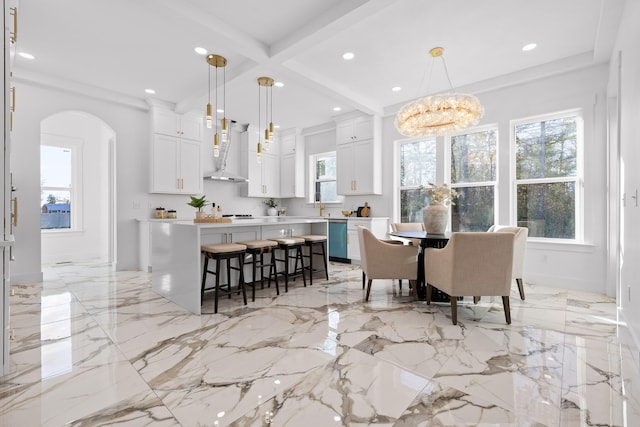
(338, 240)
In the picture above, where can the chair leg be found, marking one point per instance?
(368, 290)
(413, 284)
(241, 278)
(476, 300)
(429, 292)
(324, 260)
(310, 265)
(454, 310)
(507, 309)
(272, 267)
(520, 288)
(204, 278)
(364, 278)
(215, 307)
(299, 255)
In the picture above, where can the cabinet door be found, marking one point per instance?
(166, 123)
(344, 166)
(344, 132)
(287, 145)
(363, 128)
(271, 174)
(191, 127)
(353, 246)
(363, 168)
(190, 168)
(164, 165)
(288, 176)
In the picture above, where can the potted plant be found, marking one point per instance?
(271, 207)
(436, 214)
(198, 203)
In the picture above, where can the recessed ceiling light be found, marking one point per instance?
(278, 84)
(150, 91)
(337, 108)
(529, 47)
(220, 110)
(396, 88)
(200, 51)
(26, 55)
(276, 126)
(348, 55)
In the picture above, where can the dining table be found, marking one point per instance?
(427, 240)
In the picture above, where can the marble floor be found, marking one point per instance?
(97, 347)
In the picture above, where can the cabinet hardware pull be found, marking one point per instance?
(635, 197)
(13, 35)
(15, 211)
(13, 98)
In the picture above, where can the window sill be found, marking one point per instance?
(559, 245)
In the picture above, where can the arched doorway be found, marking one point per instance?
(77, 189)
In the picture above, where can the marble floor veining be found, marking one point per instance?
(96, 347)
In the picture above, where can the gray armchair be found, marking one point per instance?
(472, 264)
(382, 260)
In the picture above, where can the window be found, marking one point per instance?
(417, 168)
(58, 194)
(473, 176)
(547, 174)
(324, 178)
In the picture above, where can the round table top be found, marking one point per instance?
(420, 235)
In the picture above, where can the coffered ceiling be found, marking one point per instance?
(118, 48)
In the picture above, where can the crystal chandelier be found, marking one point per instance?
(439, 114)
(218, 62)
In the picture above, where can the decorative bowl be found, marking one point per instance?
(347, 213)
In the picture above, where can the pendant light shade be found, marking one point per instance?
(265, 84)
(217, 61)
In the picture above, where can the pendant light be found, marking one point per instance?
(217, 61)
(267, 84)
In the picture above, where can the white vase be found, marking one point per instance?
(272, 212)
(435, 218)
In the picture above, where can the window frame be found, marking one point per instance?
(495, 184)
(75, 145)
(313, 161)
(578, 180)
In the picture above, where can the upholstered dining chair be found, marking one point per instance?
(382, 260)
(519, 249)
(472, 264)
(408, 226)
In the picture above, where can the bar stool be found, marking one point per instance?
(219, 253)
(286, 245)
(313, 241)
(257, 249)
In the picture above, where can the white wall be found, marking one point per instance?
(90, 242)
(628, 44)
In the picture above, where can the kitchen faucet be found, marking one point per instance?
(321, 204)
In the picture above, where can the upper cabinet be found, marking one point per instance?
(175, 153)
(263, 176)
(358, 155)
(291, 164)
(188, 126)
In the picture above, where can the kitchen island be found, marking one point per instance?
(175, 249)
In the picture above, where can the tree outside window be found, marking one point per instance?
(417, 170)
(473, 175)
(547, 173)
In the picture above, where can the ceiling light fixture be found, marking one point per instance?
(267, 84)
(438, 114)
(528, 47)
(337, 108)
(348, 55)
(218, 62)
(396, 89)
(200, 50)
(150, 91)
(278, 84)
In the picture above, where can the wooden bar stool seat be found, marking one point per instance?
(286, 245)
(257, 249)
(219, 253)
(313, 242)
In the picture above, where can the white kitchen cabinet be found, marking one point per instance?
(175, 168)
(378, 226)
(264, 177)
(355, 129)
(291, 166)
(187, 126)
(358, 156)
(358, 168)
(175, 152)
